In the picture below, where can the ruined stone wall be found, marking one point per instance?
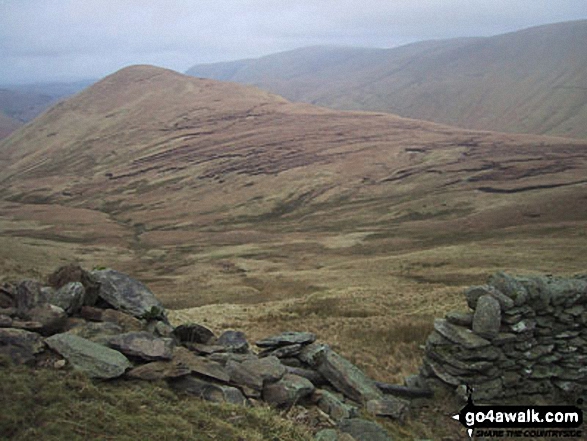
(524, 338)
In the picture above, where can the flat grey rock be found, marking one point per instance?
(269, 369)
(457, 334)
(95, 360)
(158, 370)
(208, 391)
(143, 345)
(288, 391)
(200, 366)
(347, 378)
(287, 338)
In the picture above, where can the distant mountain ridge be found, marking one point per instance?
(149, 162)
(7, 125)
(24, 102)
(529, 81)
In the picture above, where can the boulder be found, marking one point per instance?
(126, 321)
(245, 377)
(127, 294)
(347, 378)
(99, 332)
(234, 341)
(474, 293)
(75, 273)
(334, 406)
(269, 369)
(207, 390)
(95, 360)
(193, 333)
(363, 430)
(7, 296)
(487, 318)
(28, 295)
(316, 378)
(288, 391)
(287, 338)
(311, 353)
(69, 297)
(20, 346)
(283, 351)
(51, 318)
(460, 318)
(201, 366)
(510, 286)
(143, 345)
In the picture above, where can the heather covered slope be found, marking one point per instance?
(531, 81)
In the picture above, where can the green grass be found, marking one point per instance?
(47, 405)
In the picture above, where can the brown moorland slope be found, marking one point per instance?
(241, 209)
(530, 81)
(7, 125)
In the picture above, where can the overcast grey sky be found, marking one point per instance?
(63, 40)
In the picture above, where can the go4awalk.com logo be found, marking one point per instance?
(521, 421)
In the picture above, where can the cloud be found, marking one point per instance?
(51, 39)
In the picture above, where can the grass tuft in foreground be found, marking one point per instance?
(43, 404)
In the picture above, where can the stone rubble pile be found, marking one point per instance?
(109, 325)
(524, 338)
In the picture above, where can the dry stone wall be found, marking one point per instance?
(525, 338)
(109, 325)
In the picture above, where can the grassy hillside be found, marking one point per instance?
(531, 81)
(7, 125)
(27, 101)
(47, 405)
(243, 210)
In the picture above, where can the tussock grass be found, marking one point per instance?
(46, 405)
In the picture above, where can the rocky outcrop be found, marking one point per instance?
(120, 329)
(95, 360)
(526, 338)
